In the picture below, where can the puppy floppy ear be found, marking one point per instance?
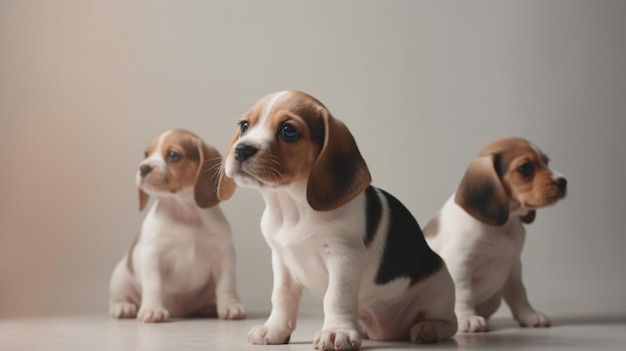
(205, 189)
(143, 199)
(339, 174)
(481, 192)
(529, 217)
(226, 186)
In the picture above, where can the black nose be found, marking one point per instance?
(144, 170)
(244, 152)
(561, 183)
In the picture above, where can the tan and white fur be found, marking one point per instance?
(182, 263)
(480, 232)
(330, 231)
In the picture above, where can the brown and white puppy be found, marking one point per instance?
(183, 261)
(354, 245)
(479, 232)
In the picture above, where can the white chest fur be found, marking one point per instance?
(175, 237)
(303, 238)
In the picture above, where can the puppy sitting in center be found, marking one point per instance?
(182, 263)
(332, 232)
(480, 232)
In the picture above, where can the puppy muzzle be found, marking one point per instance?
(561, 184)
(244, 152)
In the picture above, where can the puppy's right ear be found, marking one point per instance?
(226, 186)
(481, 192)
(205, 193)
(143, 199)
(339, 173)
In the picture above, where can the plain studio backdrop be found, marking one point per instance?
(423, 86)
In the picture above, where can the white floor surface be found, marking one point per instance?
(591, 332)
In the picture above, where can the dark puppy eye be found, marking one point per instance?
(145, 154)
(172, 156)
(243, 127)
(526, 169)
(288, 132)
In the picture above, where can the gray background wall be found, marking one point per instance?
(84, 87)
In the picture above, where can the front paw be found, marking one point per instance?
(533, 319)
(473, 324)
(123, 309)
(153, 315)
(264, 335)
(233, 310)
(337, 339)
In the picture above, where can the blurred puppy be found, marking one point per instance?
(183, 261)
(479, 231)
(354, 245)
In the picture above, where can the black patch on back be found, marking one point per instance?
(373, 213)
(406, 253)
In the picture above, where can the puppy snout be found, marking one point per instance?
(561, 183)
(144, 170)
(244, 152)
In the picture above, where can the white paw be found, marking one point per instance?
(473, 324)
(232, 311)
(263, 335)
(123, 309)
(153, 315)
(533, 319)
(337, 339)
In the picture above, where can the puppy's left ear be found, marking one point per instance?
(529, 217)
(339, 174)
(205, 188)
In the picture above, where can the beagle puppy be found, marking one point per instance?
(332, 232)
(183, 261)
(479, 232)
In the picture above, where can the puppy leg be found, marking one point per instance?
(514, 294)
(465, 305)
(124, 296)
(438, 320)
(286, 296)
(469, 320)
(228, 305)
(340, 331)
(152, 309)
